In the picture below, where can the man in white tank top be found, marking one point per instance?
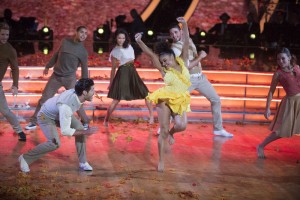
(199, 80)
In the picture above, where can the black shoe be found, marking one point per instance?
(22, 136)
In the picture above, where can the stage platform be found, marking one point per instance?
(124, 157)
(243, 94)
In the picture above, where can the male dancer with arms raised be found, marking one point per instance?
(198, 79)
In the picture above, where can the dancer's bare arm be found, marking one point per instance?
(114, 62)
(198, 59)
(149, 52)
(89, 131)
(270, 95)
(185, 36)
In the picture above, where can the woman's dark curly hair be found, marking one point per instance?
(127, 39)
(162, 48)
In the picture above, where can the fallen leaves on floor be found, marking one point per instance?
(129, 139)
(188, 195)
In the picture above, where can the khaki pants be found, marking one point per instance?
(202, 85)
(6, 112)
(54, 83)
(49, 129)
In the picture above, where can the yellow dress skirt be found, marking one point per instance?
(175, 92)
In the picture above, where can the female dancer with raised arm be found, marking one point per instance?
(173, 99)
(126, 84)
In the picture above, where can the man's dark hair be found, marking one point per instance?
(83, 84)
(174, 25)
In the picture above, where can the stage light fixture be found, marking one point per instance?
(100, 47)
(252, 36)
(252, 56)
(100, 50)
(150, 33)
(202, 33)
(201, 38)
(45, 47)
(151, 36)
(45, 33)
(45, 29)
(100, 31)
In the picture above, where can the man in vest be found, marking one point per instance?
(61, 108)
(198, 79)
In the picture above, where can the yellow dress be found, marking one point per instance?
(175, 92)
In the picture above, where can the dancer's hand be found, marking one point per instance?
(138, 37)
(14, 90)
(45, 72)
(267, 113)
(91, 130)
(181, 20)
(202, 54)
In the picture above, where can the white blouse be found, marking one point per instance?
(123, 55)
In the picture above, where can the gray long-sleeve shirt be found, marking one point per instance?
(8, 56)
(67, 59)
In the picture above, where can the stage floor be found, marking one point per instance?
(124, 157)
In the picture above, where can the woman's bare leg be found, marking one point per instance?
(150, 108)
(164, 113)
(260, 148)
(110, 110)
(180, 123)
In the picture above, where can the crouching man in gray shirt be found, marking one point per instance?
(61, 108)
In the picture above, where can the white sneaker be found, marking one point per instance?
(23, 164)
(30, 126)
(223, 133)
(85, 166)
(85, 127)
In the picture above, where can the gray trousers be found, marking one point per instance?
(54, 83)
(202, 85)
(6, 112)
(49, 129)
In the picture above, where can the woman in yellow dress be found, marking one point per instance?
(173, 99)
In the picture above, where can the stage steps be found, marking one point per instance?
(243, 94)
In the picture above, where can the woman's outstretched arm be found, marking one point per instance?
(149, 52)
(185, 37)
